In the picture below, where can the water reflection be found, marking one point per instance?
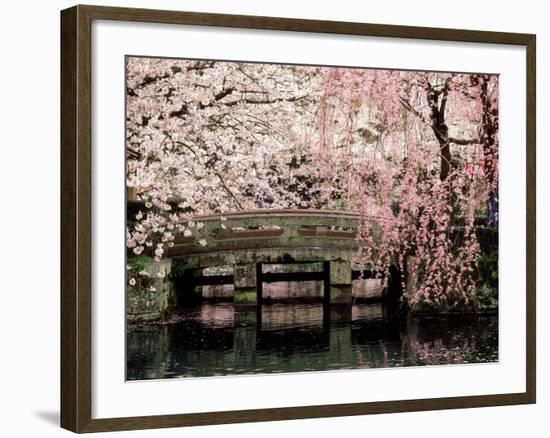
(304, 290)
(213, 339)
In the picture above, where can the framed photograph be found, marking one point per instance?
(270, 218)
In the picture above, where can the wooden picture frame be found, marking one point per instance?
(76, 218)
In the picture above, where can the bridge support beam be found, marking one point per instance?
(245, 285)
(340, 280)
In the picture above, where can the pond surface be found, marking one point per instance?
(212, 339)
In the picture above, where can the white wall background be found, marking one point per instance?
(29, 216)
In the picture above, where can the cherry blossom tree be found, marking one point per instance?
(423, 132)
(415, 152)
(206, 136)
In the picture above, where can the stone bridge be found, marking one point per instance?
(248, 240)
(271, 236)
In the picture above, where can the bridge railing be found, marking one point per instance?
(265, 229)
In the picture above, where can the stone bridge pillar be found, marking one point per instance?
(339, 282)
(245, 285)
(154, 299)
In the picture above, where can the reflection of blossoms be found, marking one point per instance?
(437, 353)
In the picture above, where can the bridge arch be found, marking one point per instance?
(247, 240)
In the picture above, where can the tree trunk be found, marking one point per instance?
(441, 133)
(437, 101)
(489, 134)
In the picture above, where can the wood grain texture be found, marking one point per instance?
(76, 186)
(76, 224)
(69, 330)
(531, 218)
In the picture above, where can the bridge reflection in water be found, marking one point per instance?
(288, 301)
(212, 339)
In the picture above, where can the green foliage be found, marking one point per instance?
(487, 271)
(487, 265)
(177, 269)
(139, 263)
(485, 298)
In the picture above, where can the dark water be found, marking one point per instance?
(213, 339)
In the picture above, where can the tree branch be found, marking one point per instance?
(228, 190)
(264, 102)
(464, 141)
